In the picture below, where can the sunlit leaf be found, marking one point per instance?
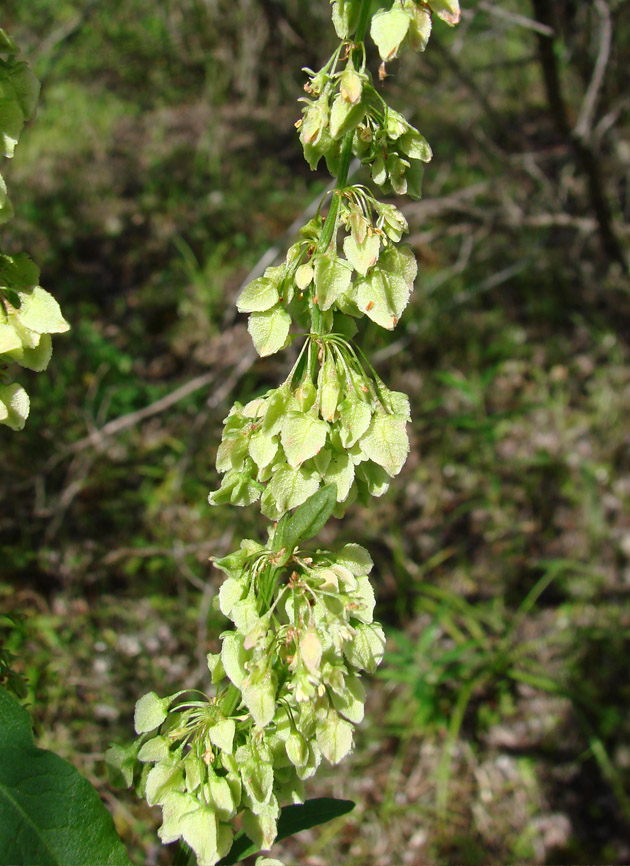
(386, 442)
(269, 330)
(388, 30)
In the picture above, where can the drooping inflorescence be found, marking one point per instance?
(28, 313)
(287, 688)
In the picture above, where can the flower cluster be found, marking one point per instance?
(363, 272)
(343, 100)
(341, 427)
(28, 314)
(288, 687)
(288, 692)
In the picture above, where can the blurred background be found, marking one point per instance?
(162, 164)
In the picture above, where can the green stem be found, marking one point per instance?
(330, 224)
(184, 856)
(364, 17)
(230, 700)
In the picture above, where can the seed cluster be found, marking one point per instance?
(287, 683)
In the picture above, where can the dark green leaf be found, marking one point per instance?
(306, 521)
(49, 814)
(293, 819)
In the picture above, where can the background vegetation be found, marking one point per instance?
(162, 164)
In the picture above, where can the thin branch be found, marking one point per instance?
(124, 422)
(583, 127)
(515, 18)
(585, 157)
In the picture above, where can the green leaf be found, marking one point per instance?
(287, 489)
(222, 797)
(328, 382)
(419, 28)
(400, 261)
(388, 30)
(269, 330)
(258, 296)
(362, 256)
(355, 558)
(351, 84)
(49, 814)
(345, 16)
(447, 10)
(414, 176)
(200, 830)
(41, 313)
(415, 146)
(393, 222)
(302, 436)
(340, 473)
(36, 359)
(231, 591)
(9, 339)
(304, 276)
(121, 762)
(222, 735)
(334, 737)
(234, 655)
(277, 405)
(384, 293)
(6, 208)
(332, 278)
(311, 650)
(382, 297)
(261, 826)
(315, 121)
(376, 480)
(14, 406)
(163, 779)
(18, 272)
(259, 695)
(305, 396)
(244, 613)
(154, 750)
(11, 123)
(351, 703)
(293, 819)
(355, 417)
(150, 712)
(344, 116)
(297, 749)
(305, 522)
(367, 648)
(364, 596)
(26, 87)
(386, 442)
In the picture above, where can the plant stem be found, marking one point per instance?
(184, 856)
(230, 701)
(330, 224)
